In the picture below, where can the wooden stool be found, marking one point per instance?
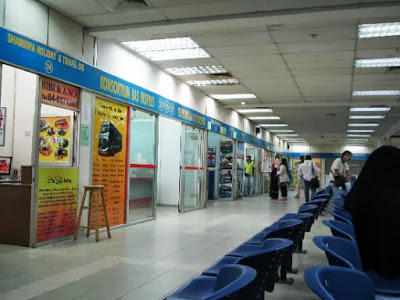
(92, 189)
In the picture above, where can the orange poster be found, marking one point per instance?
(59, 94)
(109, 156)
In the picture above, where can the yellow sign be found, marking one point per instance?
(55, 139)
(57, 198)
(109, 156)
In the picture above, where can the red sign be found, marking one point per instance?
(60, 94)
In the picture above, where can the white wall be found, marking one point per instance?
(19, 89)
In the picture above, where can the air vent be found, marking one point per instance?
(119, 5)
(219, 76)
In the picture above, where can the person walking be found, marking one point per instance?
(249, 176)
(308, 171)
(283, 179)
(300, 182)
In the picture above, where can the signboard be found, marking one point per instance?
(55, 139)
(3, 111)
(18, 50)
(59, 94)
(57, 199)
(109, 157)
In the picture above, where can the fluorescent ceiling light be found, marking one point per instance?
(370, 109)
(288, 134)
(363, 124)
(359, 135)
(377, 62)
(211, 82)
(265, 118)
(366, 31)
(357, 140)
(274, 125)
(254, 110)
(213, 69)
(377, 93)
(168, 49)
(232, 96)
(359, 117)
(176, 54)
(281, 130)
(360, 130)
(243, 103)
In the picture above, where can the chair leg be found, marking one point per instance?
(78, 222)
(96, 220)
(89, 213)
(105, 214)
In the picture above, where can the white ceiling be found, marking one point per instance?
(297, 56)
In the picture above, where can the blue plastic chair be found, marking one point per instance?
(344, 253)
(281, 229)
(342, 215)
(310, 208)
(231, 282)
(264, 258)
(341, 229)
(338, 283)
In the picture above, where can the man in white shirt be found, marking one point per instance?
(340, 167)
(307, 171)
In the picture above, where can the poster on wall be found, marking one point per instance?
(109, 156)
(318, 163)
(55, 139)
(59, 94)
(3, 111)
(57, 200)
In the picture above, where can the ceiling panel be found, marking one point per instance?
(235, 51)
(340, 45)
(233, 39)
(74, 8)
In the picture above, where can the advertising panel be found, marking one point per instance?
(109, 156)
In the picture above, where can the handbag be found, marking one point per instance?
(339, 180)
(314, 183)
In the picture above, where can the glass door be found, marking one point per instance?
(192, 183)
(142, 166)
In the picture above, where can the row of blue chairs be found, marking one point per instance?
(345, 277)
(254, 267)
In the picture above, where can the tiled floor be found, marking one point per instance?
(148, 260)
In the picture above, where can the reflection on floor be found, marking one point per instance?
(148, 260)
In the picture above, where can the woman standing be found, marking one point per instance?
(283, 178)
(274, 183)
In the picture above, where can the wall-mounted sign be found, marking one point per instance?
(59, 94)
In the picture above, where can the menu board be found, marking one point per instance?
(55, 139)
(109, 157)
(57, 199)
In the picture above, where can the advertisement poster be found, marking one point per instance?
(59, 94)
(2, 126)
(57, 199)
(318, 161)
(55, 139)
(109, 157)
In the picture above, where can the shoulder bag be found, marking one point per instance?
(314, 183)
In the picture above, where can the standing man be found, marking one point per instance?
(300, 181)
(249, 177)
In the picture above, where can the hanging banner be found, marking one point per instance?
(59, 94)
(56, 207)
(55, 139)
(109, 156)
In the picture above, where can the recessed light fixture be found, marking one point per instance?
(359, 135)
(274, 125)
(243, 103)
(287, 134)
(377, 62)
(360, 130)
(232, 96)
(370, 109)
(363, 124)
(281, 130)
(254, 110)
(212, 69)
(377, 93)
(265, 118)
(366, 117)
(366, 31)
(357, 140)
(168, 49)
(211, 82)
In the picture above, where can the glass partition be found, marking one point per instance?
(142, 166)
